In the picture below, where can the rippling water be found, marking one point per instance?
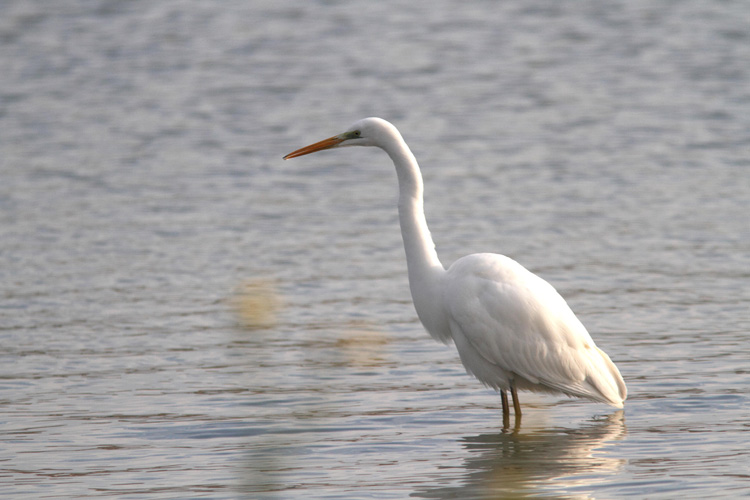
(184, 315)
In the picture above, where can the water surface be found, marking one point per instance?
(184, 315)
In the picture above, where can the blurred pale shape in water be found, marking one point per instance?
(256, 303)
(362, 344)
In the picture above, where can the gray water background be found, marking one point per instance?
(185, 315)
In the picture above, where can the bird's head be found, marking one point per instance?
(366, 132)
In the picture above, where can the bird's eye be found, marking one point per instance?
(356, 133)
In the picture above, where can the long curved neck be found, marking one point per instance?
(425, 270)
(421, 257)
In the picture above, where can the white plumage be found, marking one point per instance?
(511, 328)
(509, 323)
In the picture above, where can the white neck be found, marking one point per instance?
(421, 257)
(425, 269)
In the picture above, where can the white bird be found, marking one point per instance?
(511, 328)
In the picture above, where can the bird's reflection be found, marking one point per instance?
(554, 463)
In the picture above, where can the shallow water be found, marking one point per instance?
(184, 315)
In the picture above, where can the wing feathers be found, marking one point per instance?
(518, 323)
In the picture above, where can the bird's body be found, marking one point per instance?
(511, 328)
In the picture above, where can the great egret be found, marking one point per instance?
(511, 328)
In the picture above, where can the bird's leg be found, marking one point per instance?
(506, 410)
(516, 403)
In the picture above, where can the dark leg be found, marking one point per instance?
(506, 410)
(516, 402)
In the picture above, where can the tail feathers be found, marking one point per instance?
(603, 383)
(608, 382)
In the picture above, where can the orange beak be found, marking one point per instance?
(318, 146)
